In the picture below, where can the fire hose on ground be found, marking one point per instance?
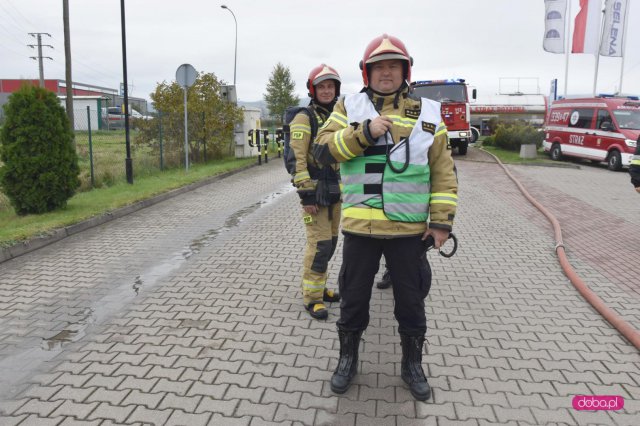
(598, 304)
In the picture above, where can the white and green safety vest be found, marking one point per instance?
(368, 179)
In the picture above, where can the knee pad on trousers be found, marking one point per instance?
(323, 254)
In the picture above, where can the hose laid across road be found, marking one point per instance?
(612, 317)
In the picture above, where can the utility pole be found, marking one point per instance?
(67, 64)
(39, 58)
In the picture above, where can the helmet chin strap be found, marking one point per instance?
(328, 106)
(397, 92)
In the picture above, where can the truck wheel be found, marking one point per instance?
(475, 134)
(614, 161)
(462, 148)
(556, 152)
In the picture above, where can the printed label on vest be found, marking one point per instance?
(429, 127)
(297, 135)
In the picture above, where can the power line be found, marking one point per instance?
(21, 15)
(88, 66)
(10, 34)
(12, 51)
(14, 23)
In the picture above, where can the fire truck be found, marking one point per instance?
(454, 99)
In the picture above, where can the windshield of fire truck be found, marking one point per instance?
(442, 92)
(628, 119)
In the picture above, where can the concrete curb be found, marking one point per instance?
(7, 253)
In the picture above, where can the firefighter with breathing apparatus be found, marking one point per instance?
(318, 188)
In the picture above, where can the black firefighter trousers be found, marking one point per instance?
(410, 273)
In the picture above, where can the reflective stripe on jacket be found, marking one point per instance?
(368, 179)
(342, 139)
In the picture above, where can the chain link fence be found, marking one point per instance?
(156, 143)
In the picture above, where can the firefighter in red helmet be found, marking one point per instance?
(399, 188)
(318, 188)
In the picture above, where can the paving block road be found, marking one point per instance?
(189, 312)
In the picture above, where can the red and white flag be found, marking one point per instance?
(586, 31)
(615, 13)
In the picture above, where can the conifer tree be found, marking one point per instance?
(40, 170)
(280, 93)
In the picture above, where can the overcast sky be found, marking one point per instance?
(496, 45)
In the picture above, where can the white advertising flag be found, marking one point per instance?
(615, 12)
(554, 23)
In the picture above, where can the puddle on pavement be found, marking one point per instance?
(73, 332)
(153, 275)
(112, 302)
(20, 364)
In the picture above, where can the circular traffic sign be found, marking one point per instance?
(186, 75)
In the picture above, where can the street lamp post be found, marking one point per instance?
(235, 56)
(128, 162)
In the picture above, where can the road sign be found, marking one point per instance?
(186, 75)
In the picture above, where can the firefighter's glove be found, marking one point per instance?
(307, 197)
(322, 193)
(328, 188)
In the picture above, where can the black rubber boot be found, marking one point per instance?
(386, 280)
(348, 362)
(412, 372)
(330, 296)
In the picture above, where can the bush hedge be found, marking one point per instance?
(40, 171)
(510, 136)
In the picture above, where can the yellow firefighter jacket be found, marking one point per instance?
(305, 176)
(342, 139)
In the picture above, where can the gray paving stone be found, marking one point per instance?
(332, 419)
(264, 411)
(138, 398)
(36, 407)
(107, 411)
(465, 412)
(34, 420)
(179, 417)
(72, 409)
(284, 413)
(358, 407)
(214, 405)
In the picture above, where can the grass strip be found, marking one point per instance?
(84, 205)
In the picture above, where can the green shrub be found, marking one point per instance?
(40, 171)
(511, 136)
(489, 141)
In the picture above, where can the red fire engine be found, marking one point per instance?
(454, 99)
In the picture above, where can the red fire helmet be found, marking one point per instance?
(382, 48)
(321, 73)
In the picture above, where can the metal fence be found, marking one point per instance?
(156, 143)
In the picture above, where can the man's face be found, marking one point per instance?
(386, 76)
(326, 91)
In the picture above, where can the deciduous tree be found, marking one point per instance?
(211, 120)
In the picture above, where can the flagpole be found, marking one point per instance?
(624, 43)
(595, 76)
(566, 54)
